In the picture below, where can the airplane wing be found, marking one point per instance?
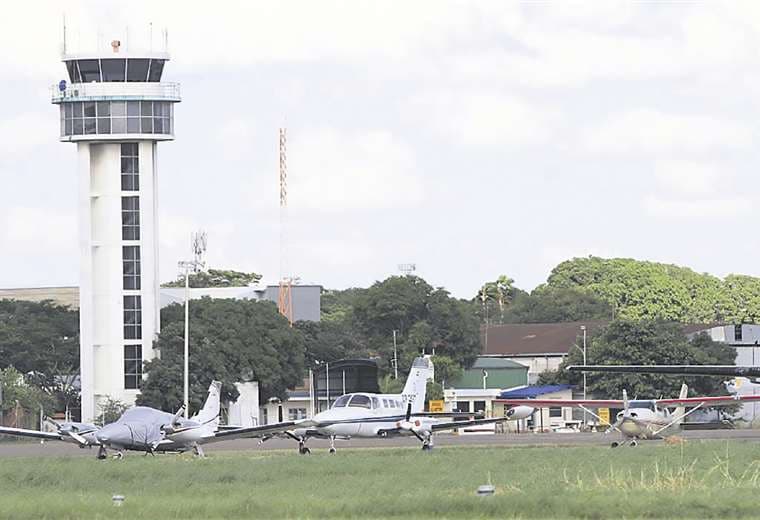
(687, 370)
(20, 432)
(723, 400)
(577, 403)
(463, 424)
(254, 431)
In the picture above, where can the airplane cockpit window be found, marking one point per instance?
(341, 401)
(375, 402)
(360, 401)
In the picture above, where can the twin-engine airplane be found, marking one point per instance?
(380, 415)
(638, 420)
(751, 372)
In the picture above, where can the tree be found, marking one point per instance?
(425, 319)
(16, 390)
(216, 278)
(626, 342)
(501, 292)
(111, 410)
(41, 340)
(550, 305)
(230, 341)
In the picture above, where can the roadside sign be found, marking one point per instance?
(435, 405)
(604, 416)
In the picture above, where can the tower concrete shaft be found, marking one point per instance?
(116, 109)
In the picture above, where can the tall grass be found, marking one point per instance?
(696, 480)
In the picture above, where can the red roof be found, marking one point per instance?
(516, 339)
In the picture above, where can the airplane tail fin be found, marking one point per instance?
(209, 414)
(416, 383)
(680, 410)
(625, 400)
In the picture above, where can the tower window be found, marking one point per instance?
(131, 267)
(130, 167)
(113, 69)
(132, 317)
(130, 218)
(137, 69)
(132, 366)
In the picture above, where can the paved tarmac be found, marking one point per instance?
(54, 448)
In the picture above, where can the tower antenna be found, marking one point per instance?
(285, 297)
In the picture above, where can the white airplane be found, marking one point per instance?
(379, 415)
(639, 419)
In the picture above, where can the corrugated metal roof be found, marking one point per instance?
(530, 392)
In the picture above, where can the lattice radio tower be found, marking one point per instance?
(285, 299)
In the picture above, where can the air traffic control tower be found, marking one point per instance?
(116, 108)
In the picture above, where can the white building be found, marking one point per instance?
(116, 108)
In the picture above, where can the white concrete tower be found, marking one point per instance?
(116, 109)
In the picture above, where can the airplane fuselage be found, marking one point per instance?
(644, 423)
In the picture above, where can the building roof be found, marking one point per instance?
(530, 392)
(496, 363)
(533, 338)
(68, 296)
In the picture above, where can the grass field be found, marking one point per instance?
(697, 480)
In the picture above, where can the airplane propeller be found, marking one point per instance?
(408, 425)
(175, 423)
(69, 430)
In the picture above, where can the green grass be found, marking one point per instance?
(696, 480)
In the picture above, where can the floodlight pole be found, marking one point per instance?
(186, 266)
(583, 328)
(395, 357)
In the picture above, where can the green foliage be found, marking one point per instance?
(425, 319)
(494, 297)
(648, 290)
(433, 392)
(230, 341)
(626, 342)
(111, 410)
(17, 390)
(216, 278)
(550, 305)
(41, 340)
(388, 385)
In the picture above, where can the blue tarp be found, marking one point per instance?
(530, 392)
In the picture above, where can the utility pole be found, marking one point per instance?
(583, 328)
(395, 356)
(199, 243)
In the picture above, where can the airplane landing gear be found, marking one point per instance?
(118, 455)
(302, 449)
(614, 444)
(102, 453)
(332, 444)
(633, 443)
(198, 451)
(427, 442)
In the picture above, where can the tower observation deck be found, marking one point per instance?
(116, 108)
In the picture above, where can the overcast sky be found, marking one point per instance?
(470, 138)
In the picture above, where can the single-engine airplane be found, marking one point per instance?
(639, 419)
(379, 415)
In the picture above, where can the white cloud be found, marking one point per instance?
(334, 171)
(702, 208)
(690, 177)
(652, 131)
(484, 118)
(39, 229)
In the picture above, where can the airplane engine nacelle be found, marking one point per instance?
(519, 412)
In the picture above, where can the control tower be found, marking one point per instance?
(116, 108)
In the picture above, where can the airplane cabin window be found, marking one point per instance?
(342, 401)
(375, 402)
(385, 403)
(360, 401)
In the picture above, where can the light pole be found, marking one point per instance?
(583, 328)
(395, 357)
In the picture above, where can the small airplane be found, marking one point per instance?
(148, 430)
(639, 419)
(380, 415)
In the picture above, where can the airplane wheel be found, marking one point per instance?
(304, 451)
(614, 445)
(633, 444)
(102, 454)
(427, 447)
(333, 450)
(118, 455)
